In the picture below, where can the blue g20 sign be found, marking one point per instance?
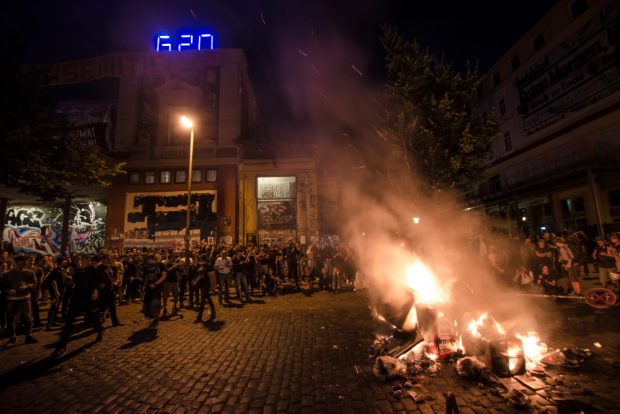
(185, 41)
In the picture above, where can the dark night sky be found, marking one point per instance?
(482, 30)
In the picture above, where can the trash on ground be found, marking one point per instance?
(387, 368)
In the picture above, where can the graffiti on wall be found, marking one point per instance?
(37, 229)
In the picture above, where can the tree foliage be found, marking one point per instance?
(429, 119)
(39, 158)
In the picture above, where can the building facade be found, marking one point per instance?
(244, 189)
(556, 94)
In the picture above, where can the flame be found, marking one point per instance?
(475, 324)
(533, 349)
(500, 330)
(513, 353)
(424, 284)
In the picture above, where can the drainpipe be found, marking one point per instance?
(597, 203)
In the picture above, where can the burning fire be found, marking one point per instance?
(533, 349)
(475, 325)
(424, 284)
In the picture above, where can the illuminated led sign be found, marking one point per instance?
(183, 41)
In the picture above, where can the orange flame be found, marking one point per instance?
(533, 349)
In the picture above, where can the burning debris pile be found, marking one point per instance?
(428, 335)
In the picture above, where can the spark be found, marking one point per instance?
(352, 147)
(381, 135)
(315, 70)
(262, 18)
(301, 52)
(361, 167)
(193, 14)
(359, 72)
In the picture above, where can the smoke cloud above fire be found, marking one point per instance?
(435, 259)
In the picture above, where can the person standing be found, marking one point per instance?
(106, 272)
(31, 264)
(171, 285)
(567, 262)
(87, 286)
(605, 258)
(223, 267)
(203, 286)
(154, 275)
(19, 285)
(53, 285)
(241, 277)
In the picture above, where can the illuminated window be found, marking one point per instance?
(180, 176)
(196, 175)
(134, 177)
(149, 177)
(211, 176)
(165, 177)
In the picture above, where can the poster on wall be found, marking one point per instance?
(581, 70)
(276, 214)
(37, 229)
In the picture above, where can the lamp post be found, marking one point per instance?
(188, 124)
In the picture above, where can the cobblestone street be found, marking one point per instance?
(285, 354)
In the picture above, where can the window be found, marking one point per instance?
(480, 91)
(180, 176)
(211, 176)
(572, 205)
(507, 141)
(134, 177)
(502, 107)
(515, 62)
(539, 42)
(578, 7)
(165, 177)
(149, 177)
(196, 175)
(496, 79)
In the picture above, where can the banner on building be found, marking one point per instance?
(581, 70)
(37, 229)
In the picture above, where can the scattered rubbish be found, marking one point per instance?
(598, 345)
(472, 368)
(531, 382)
(518, 399)
(567, 357)
(387, 368)
(416, 397)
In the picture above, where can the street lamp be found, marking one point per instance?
(188, 124)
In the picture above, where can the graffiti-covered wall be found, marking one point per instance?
(37, 229)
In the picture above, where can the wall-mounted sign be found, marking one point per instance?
(183, 41)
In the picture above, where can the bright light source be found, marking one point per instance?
(416, 220)
(186, 122)
(523, 218)
(543, 228)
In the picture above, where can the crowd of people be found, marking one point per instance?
(542, 261)
(162, 281)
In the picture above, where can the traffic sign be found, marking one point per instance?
(600, 298)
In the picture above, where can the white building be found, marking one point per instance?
(556, 94)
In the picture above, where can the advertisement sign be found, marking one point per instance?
(581, 70)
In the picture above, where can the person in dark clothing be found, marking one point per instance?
(203, 286)
(154, 274)
(548, 279)
(88, 283)
(241, 277)
(18, 285)
(53, 284)
(291, 262)
(34, 298)
(107, 295)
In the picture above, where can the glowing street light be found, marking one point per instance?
(416, 220)
(188, 124)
